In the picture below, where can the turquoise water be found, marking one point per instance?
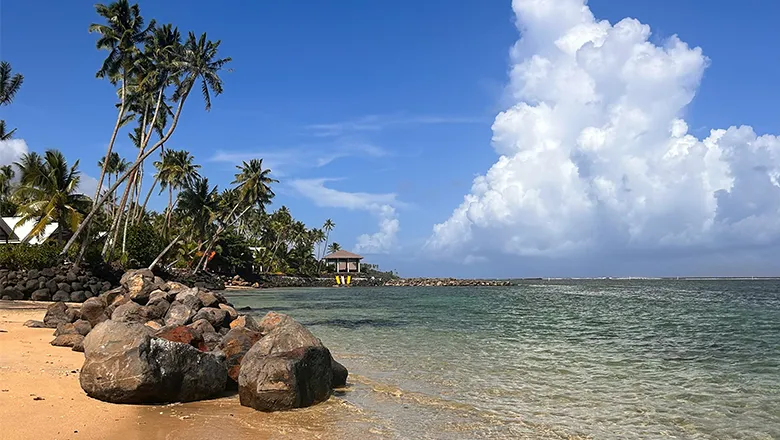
(580, 359)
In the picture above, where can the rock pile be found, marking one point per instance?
(151, 341)
(61, 283)
(427, 282)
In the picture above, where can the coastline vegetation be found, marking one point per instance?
(155, 68)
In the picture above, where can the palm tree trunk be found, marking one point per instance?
(113, 137)
(108, 247)
(220, 229)
(165, 251)
(88, 219)
(146, 200)
(170, 207)
(324, 249)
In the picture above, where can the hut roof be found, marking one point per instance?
(342, 255)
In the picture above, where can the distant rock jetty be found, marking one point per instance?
(427, 282)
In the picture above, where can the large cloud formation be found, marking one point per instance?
(594, 155)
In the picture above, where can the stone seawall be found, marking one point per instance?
(62, 283)
(429, 282)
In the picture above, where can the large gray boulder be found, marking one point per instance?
(125, 364)
(282, 381)
(287, 368)
(58, 313)
(180, 313)
(129, 312)
(215, 316)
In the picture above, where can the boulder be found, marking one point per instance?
(111, 296)
(129, 312)
(232, 313)
(76, 286)
(160, 295)
(67, 340)
(235, 345)
(34, 324)
(173, 286)
(124, 364)
(71, 276)
(212, 340)
(183, 335)
(65, 287)
(215, 316)
(79, 346)
(33, 273)
(41, 295)
(66, 328)
(94, 311)
(183, 294)
(179, 314)
(284, 334)
(201, 327)
(340, 374)
(245, 321)
(52, 286)
(287, 380)
(78, 296)
(157, 310)
(208, 299)
(61, 296)
(272, 320)
(12, 293)
(31, 285)
(57, 314)
(139, 284)
(83, 327)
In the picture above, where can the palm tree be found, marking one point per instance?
(334, 247)
(196, 60)
(175, 171)
(252, 187)
(9, 85)
(47, 193)
(327, 226)
(122, 32)
(7, 207)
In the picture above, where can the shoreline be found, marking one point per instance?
(31, 368)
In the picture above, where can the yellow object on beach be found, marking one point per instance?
(349, 279)
(338, 279)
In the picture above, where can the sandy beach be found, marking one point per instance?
(40, 397)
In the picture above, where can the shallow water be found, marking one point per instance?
(578, 359)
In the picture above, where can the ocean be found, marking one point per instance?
(607, 359)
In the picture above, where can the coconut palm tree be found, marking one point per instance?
(327, 227)
(334, 247)
(48, 193)
(174, 172)
(253, 188)
(120, 35)
(7, 207)
(9, 85)
(197, 59)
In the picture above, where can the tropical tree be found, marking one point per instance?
(48, 193)
(7, 206)
(334, 247)
(196, 61)
(9, 85)
(114, 166)
(327, 227)
(175, 171)
(252, 188)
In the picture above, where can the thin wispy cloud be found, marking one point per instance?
(285, 161)
(383, 122)
(380, 205)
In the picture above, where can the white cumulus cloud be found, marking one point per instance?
(595, 155)
(381, 205)
(11, 150)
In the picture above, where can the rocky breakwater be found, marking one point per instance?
(428, 282)
(63, 283)
(276, 281)
(151, 341)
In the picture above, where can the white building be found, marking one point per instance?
(12, 232)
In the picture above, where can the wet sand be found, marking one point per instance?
(30, 368)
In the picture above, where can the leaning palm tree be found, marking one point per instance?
(48, 193)
(327, 227)
(175, 171)
(9, 85)
(253, 188)
(196, 60)
(122, 32)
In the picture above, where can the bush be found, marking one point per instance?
(27, 256)
(143, 245)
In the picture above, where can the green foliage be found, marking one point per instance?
(27, 256)
(143, 245)
(232, 254)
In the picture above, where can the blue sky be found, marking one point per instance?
(379, 114)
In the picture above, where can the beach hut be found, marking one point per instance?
(344, 261)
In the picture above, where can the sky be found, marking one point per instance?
(464, 138)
